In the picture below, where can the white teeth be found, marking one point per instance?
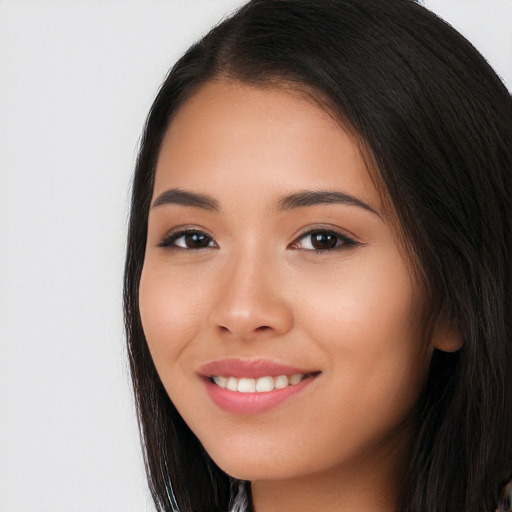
(246, 385)
(220, 381)
(281, 382)
(232, 384)
(261, 385)
(295, 379)
(265, 384)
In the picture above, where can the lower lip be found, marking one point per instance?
(253, 403)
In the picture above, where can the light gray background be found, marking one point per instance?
(76, 81)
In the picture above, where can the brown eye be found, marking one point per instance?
(196, 240)
(323, 240)
(188, 239)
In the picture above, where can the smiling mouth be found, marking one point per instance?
(260, 385)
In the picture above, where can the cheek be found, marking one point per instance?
(367, 323)
(169, 309)
(371, 295)
(367, 327)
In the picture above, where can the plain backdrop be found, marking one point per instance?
(76, 81)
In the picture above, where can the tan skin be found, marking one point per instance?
(324, 286)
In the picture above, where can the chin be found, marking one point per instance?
(253, 472)
(263, 465)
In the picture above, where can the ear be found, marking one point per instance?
(446, 336)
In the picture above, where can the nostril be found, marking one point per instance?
(262, 328)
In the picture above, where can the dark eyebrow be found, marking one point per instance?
(316, 197)
(185, 198)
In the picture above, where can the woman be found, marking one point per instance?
(317, 289)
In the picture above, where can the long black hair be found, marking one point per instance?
(437, 122)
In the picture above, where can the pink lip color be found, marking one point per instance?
(250, 403)
(254, 368)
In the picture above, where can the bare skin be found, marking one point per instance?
(245, 266)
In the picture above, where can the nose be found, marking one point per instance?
(251, 300)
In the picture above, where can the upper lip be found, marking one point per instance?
(251, 368)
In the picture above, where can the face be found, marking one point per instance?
(277, 304)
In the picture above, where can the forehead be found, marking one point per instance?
(233, 135)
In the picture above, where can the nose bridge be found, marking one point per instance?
(250, 300)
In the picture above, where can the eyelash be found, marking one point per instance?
(341, 240)
(170, 241)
